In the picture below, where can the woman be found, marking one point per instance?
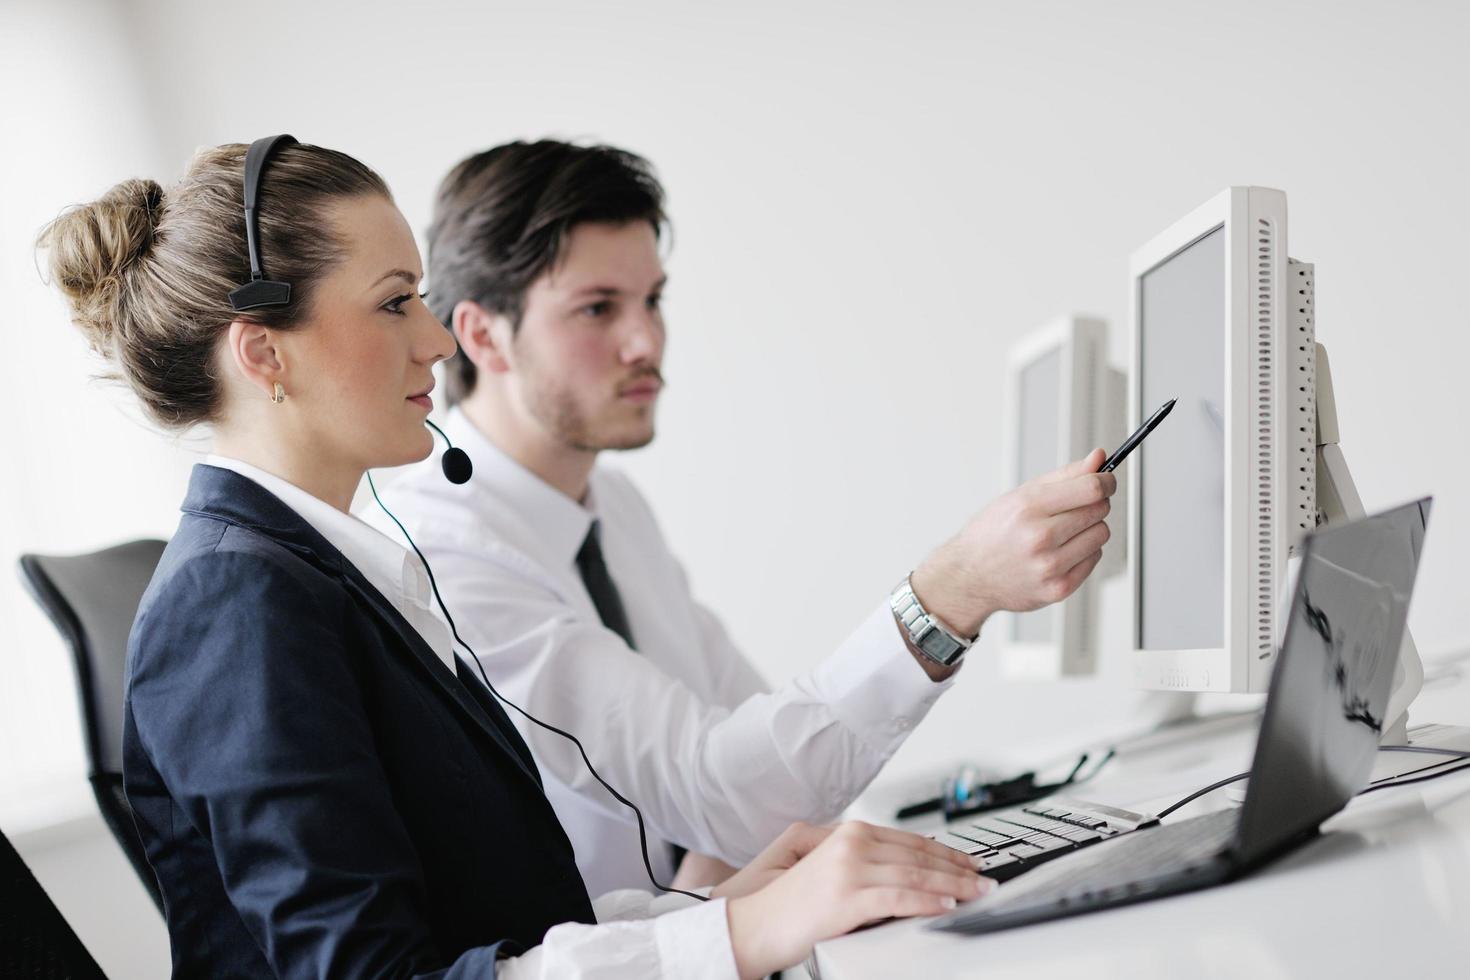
(319, 792)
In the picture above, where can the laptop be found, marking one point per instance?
(1317, 744)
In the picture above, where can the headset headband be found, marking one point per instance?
(259, 291)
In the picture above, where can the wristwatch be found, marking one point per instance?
(928, 635)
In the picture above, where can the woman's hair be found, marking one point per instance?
(147, 273)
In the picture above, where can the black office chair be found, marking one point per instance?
(35, 941)
(92, 599)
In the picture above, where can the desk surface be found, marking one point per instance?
(1385, 891)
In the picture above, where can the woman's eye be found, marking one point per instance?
(599, 309)
(655, 302)
(395, 305)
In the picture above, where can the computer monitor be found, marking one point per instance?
(1221, 320)
(1062, 401)
(1224, 320)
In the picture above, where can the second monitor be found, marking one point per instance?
(1062, 401)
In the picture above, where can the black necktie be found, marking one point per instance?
(601, 588)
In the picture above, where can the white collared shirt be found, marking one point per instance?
(683, 726)
(634, 938)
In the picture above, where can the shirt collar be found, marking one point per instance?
(561, 523)
(391, 568)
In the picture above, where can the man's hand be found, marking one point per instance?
(1027, 549)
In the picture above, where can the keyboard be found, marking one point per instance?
(1177, 857)
(1009, 842)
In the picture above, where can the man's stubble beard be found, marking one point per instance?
(557, 412)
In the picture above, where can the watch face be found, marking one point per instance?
(939, 647)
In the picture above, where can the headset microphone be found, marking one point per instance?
(455, 461)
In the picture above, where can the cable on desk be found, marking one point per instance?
(1198, 793)
(1454, 754)
(1428, 750)
(1401, 781)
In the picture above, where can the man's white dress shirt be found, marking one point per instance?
(683, 726)
(634, 937)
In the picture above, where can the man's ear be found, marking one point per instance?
(483, 336)
(252, 348)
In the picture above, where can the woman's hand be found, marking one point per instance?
(698, 870)
(814, 883)
(798, 840)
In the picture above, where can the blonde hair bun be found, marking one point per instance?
(92, 247)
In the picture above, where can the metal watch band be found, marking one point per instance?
(929, 636)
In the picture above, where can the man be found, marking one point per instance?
(544, 261)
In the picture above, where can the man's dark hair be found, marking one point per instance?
(502, 216)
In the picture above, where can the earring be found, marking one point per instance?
(280, 394)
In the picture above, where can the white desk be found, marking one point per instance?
(1385, 892)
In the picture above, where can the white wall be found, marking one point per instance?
(870, 203)
(79, 469)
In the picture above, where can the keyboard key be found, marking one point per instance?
(1073, 833)
(961, 844)
(1080, 835)
(985, 835)
(997, 862)
(1035, 823)
(1045, 823)
(1036, 832)
(1054, 830)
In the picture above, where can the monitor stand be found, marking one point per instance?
(1338, 501)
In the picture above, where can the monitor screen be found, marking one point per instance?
(1038, 435)
(1181, 468)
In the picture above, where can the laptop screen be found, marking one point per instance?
(1324, 712)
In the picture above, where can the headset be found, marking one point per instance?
(261, 292)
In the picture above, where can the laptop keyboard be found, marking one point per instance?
(1009, 842)
(1112, 873)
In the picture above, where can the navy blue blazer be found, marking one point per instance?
(318, 794)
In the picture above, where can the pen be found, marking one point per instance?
(1121, 453)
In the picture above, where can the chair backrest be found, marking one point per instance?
(35, 941)
(92, 599)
